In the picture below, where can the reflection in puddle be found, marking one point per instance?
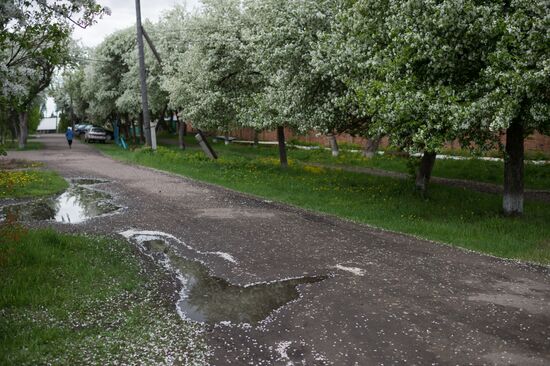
(209, 299)
(75, 205)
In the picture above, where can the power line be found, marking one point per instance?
(91, 59)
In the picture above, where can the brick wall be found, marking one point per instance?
(533, 143)
(537, 142)
(312, 137)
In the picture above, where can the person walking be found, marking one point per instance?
(69, 135)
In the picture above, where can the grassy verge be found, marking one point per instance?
(71, 300)
(536, 176)
(456, 216)
(31, 145)
(30, 183)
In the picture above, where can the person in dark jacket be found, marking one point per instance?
(69, 135)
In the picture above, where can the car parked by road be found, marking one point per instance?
(95, 134)
(81, 129)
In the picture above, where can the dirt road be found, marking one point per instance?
(388, 298)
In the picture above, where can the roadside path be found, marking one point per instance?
(389, 298)
(530, 194)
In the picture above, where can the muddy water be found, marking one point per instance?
(210, 299)
(87, 181)
(75, 205)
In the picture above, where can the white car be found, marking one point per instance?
(95, 134)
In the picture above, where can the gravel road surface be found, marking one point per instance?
(388, 299)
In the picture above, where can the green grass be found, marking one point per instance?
(31, 145)
(69, 300)
(450, 215)
(536, 176)
(30, 183)
(529, 155)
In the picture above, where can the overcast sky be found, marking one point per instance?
(123, 15)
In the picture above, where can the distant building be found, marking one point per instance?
(47, 125)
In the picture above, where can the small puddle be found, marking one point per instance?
(87, 181)
(208, 299)
(75, 205)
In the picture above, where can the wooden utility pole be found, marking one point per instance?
(143, 78)
(282, 146)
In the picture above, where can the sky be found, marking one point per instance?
(123, 15)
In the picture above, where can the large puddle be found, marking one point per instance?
(78, 203)
(208, 299)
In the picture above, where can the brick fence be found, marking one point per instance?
(534, 143)
(538, 142)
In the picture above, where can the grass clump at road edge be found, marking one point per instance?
(68, 300)
(31, 145)
(451, 215)
(30, 183)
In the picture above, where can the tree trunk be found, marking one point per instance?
(133, 130)
(141, 129)
(371, 146)
(23, 129)
(256, 138)
(181, 127)
(73, 117)
(117, 124)
(14, 118)
(181, 131)
(424, 171)
(512, 202)
(124, 128)
(282, 146)
(126, 131)
(226, 137)
(333, 145)
(161, 125)
(184, 124)
(2, 134)
(71, 112)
